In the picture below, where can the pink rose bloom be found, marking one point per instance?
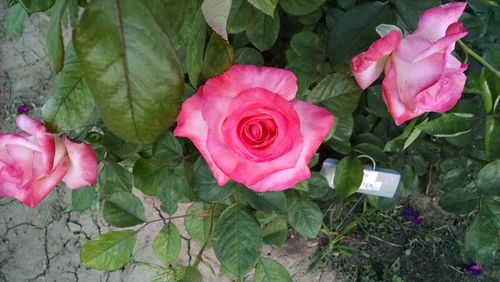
(421, 75)
(33, 162)
(248, 127)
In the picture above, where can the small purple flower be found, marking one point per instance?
(412, 216)
(471, 270)
(23, 109)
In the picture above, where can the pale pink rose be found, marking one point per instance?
(33, 162)
(248, 127)
(421, 75)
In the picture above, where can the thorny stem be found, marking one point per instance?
(209, 237)
(478, 58)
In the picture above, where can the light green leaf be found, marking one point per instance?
(71, 105)
(269, 270)
(264, 31)
(187, 274)
(137, 87)
(123, 209)
(338, 93)
(266, 6)
(110, 251)
(218, 57)
(167, 244)
(300, 7)
(55, 44)
(216, 13)
(449, 125)
(197, 226)
(14, 23)
(348, 176)
(304, 215)
(238, 240)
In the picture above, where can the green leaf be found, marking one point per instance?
(300, 7)
(459, 200)
(149, 173)
(455, 178)
(55, 44)
(241, 16)
(273, 201)
(216, 13)
(308, 44)
(269, 270)
(197, 226)
(342, 130)
(170, 191)
(488, 179)
(205, 186)
(348, 176)
(276, 232)
(71, 105)
(187, 274)
(110, 251)
(137, 87)
(167, 244)
(218, 57)
(266, 6)
(449, 125)
(248, 56)
(375, 102)
(338, 93)
(410, 10)
(492, 137)
(123, 209)
(168, 149)
(113, 178)
(14, 23)
(33, 6)
(356, 26)
(304, 215)
(83, 198)
(318, 185)
(373, 151)
(264, 30)
(238, 240)
(302, 186)
(195, 50)
(482, 240)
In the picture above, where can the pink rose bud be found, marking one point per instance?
(33, 162)
(248, 127)
(421, 75)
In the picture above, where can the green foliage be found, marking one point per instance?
(268, 270)
(110, 251)
(348, 176)
(167, 244)
(14, 23)
(123, 209)
(304, 215)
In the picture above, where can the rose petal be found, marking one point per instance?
(454, 33)
(82, 167)
(315, 123)
(43, 139)
(190, 124)
(398, 110)
(434, 22)
(232, 163)
(242, 77)
(367, 66)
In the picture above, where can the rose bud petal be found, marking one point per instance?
(249, 129)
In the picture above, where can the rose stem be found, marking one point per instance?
(478, 58)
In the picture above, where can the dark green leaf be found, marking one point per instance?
(149, 173)
(137, 87)
(304, 215)
(238, 240)
(318, 186)
(356, 26)
(266, 6)
(269, 270)
(308, 44)
(482, 240)
(267, 202)
(492, 137)
(264, 30)
(488, 179)
(170, 191)
(455, 178)
(71, 105)
(195, 50)
(205, 186)
(248, 56)
(123, 209)
(449, 125)
(167, 244)
(14, 23)
(218, 57)
(168, 149)
(33, 6)
(110, 251)
(459, 200)
(342, 130)
(241, 16)
(300, 7)
(410, 10)
(375, 102)
(83, 198)
(113, 177)
(348, 176)
(276, 232)
(338, 93)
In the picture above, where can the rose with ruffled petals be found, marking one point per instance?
(33, 162)
(421, 75)
(249, 129)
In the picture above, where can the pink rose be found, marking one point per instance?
(248, 127)
(421, 75)
(33, 162)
